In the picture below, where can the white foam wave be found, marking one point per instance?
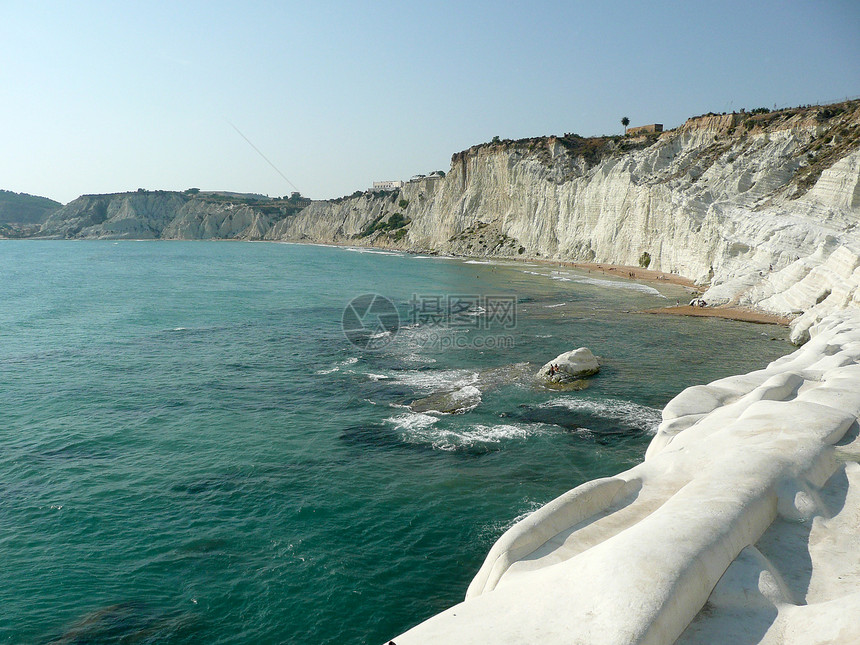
(448, 439)
(474, 311)
(612, 284)
(412, 421)
(435, 380)
(460, 401)
(494, 529)
(640, 416)
(468, 398)
(620, 284)
(418, 358)
(356, 249)
(560, 304)
(352, 360)
(531, 507)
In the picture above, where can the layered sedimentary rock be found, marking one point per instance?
(742, 520)
(739, 526)
(761, 210)
(161, 215)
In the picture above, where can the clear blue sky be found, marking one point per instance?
(113, 96)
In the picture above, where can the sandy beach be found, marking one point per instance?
(634, 273)
(731, 313)
(645, 275)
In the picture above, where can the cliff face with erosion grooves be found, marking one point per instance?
(147, 215)
(741, 524)
(739, 527)
(762, 209)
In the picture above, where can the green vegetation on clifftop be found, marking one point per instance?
(21, 208)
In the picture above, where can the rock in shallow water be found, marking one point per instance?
(570, 366)
(456, 402)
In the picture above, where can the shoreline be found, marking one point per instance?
(728, 313)
(717, 503)
(622, 271)
(626, 272)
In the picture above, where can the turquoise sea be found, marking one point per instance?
(192, 451)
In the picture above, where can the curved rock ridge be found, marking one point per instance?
(739, 526)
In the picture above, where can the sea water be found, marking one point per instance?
(193, 451)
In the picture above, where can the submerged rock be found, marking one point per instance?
(465, 399)
(739, 526)
(569, 367)
(456, 402)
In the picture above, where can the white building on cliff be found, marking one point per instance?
(388, 185)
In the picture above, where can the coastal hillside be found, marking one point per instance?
(21, 214)
(759, 208)
(159, 214)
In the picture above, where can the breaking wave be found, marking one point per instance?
(459, 401)
(493, 530)
(599, 282)
(352, 360)
(620, 284)
(356, 249)
(435, 380)
(637, 416)
(418, 428)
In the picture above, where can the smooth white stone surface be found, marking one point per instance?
(574, 364)
(747, 505)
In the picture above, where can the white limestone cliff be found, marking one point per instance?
(762, 216)
(760, 210)
(741, 524)
(157, 215)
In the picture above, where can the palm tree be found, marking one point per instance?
(625, 122)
